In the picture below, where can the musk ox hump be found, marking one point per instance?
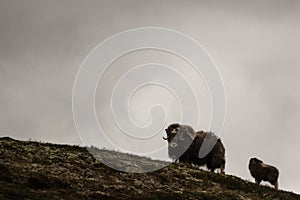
(263, 172)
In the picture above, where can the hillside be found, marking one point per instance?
(32, 170)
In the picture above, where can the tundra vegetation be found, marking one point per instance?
(35, 170)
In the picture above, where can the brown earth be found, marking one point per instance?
(33, 170)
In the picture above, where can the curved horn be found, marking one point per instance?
(165, 138)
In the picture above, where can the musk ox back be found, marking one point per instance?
(263, 172)
(185, 144)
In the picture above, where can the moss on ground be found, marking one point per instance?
(33, 170)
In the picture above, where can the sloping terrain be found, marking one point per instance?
(32, 170)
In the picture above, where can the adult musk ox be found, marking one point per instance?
(263, 172)
(185, 143)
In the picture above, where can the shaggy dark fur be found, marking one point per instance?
(185, 144)
(263, 172)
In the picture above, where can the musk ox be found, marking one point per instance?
(185, 143)
(263, 172)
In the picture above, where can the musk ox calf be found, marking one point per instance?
(185, 143)
(263, 172)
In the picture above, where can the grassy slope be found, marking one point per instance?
(32, 170)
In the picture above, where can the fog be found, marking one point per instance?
(255, 45)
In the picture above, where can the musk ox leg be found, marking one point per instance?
(222, 169)
(276, 185)
(257, 181)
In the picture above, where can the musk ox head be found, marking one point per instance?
(179, 137)
(263, 172)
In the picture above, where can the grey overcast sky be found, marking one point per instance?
(255, 44)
